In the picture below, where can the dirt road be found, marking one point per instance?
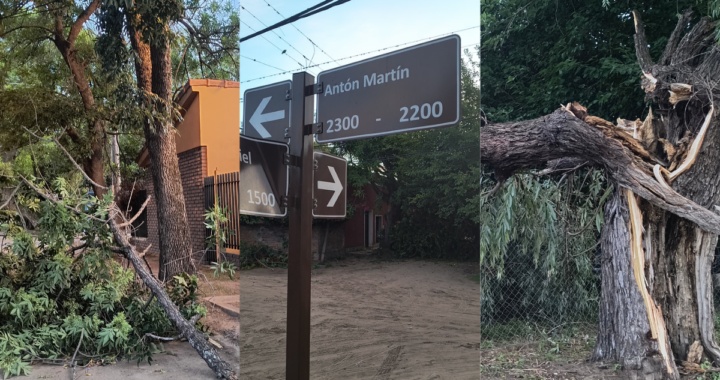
(370, 320)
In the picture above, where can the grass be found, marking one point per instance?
(475, 278)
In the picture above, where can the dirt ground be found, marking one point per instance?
(527, 361)
(370, 320)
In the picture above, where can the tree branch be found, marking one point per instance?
(187, 329)
(11, 196)
(69, 156)
(675, 37)
(137, 214)
(82, 18)
(511, 146)
(641, 46)
(50, 198)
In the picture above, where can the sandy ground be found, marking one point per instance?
(370, 320)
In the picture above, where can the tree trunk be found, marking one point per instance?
(187, 330)
(92, 165)
(672, 162)
(173, 229)
(623, 330)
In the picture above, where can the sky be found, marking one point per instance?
(354, 28)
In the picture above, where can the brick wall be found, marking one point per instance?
(193, 168)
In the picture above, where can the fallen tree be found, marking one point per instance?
(656, 299)
(109, 219)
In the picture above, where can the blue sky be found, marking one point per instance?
(356, 27)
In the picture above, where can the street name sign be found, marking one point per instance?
(266, 111)
(329, 186)
(263, 177)
(406, 90)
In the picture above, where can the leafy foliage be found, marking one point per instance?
(52, 293)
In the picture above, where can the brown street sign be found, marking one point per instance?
(263, 177)
(406, 90)
(330, 186)
(266, 111)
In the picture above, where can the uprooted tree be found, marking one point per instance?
(656, 299)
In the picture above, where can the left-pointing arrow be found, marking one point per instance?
(335, 186)
(258, 117)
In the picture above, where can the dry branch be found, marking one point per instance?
(137, 214)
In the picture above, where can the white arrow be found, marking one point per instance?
(258, 117)
(335, 186)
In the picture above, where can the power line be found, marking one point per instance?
(321, 7)
(283, 51)
(362, 54)
(278, 36)
(262, 63)
(296, 28)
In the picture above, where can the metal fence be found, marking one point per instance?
(523, 304)
(227, 190)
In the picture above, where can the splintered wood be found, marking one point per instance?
(695, 147)
(655, 318)
(679, 92)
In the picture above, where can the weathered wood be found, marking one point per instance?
(508, 147)
(623, 323)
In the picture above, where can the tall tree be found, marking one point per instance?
(656, 299)
(151, 29)
(62, 23)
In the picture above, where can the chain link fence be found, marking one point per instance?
(522, 303)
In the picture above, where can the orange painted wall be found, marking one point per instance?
(188, 132)
(212, 120)
(220, 127)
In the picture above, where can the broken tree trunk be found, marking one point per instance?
(623, 325)
(671, 161)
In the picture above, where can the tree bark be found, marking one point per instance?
(173, 228)
(623, 329)
(92, 165)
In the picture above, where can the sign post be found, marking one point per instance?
(299, 205)
(264, 177)
(407, 90)
(266, 112)
(411, 89)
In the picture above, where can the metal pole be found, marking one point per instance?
(300, 218)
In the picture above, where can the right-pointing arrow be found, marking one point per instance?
(335, 186)
(258, 117)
